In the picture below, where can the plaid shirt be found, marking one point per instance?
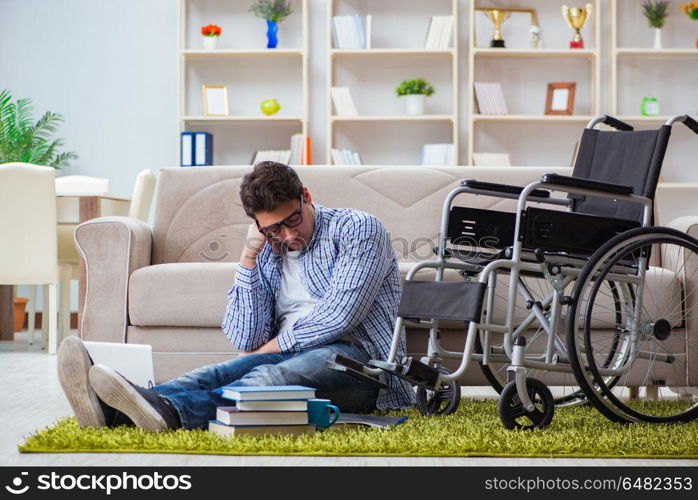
(351, 268)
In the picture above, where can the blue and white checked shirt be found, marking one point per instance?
(351, 268)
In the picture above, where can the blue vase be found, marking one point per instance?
(272, 29)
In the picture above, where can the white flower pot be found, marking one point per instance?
(657, 38)
(210, 42)
(415, 104)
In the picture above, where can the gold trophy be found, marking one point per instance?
(497, 16)
(576, 18)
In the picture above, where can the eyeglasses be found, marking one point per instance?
(293, 220)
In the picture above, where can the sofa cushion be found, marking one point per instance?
(184, 294)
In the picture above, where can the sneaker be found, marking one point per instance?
(74, 365)
(145, 407)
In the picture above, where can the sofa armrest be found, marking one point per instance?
(689, 270)
(112, 248)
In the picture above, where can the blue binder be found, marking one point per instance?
(203, 149)
(186, 149)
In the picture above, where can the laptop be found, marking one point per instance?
(133, 361)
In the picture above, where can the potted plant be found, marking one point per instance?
(22, 140)
(691, 10)
(414, 91)
(273, 12)
(211, 33)
(656, 13)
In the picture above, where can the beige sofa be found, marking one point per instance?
(166, 285)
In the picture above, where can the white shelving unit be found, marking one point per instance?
(251, 72)
(412, 59)
(512, 62)
(622, 55)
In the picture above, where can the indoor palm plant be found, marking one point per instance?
(414, 91)
(22, 140)
(273, 12)
(656, 13)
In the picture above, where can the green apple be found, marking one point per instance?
(270, 107)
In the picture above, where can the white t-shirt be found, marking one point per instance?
(293, 300)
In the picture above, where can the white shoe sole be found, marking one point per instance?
(73, 374)
(114, 390)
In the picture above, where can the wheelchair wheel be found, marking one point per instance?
(567, 390)
(443, 401)
(514, 416)
(655, 274)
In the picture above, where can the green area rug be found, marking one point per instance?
(474, 430)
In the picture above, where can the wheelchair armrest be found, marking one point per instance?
(576, 182)
(502, 188)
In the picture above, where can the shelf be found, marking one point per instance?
(391, 118)
(391, 52)
(578, 53)
(656, 52)
(197, 53)
(273, 118)
(533, 118)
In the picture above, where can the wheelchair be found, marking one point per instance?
(585, 295)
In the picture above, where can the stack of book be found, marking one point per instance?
(280, 155)
(345, 157)
(281, 409)
(438, 154)
(439, 34)
(299, 154)
(196, 149)
(351, 32)
(490, 98)
(343, 102)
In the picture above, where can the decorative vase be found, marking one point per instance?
(415, 104)
(210, 42)
(272, 30)
(657, 38)
(20, 305)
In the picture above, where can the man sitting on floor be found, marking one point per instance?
(312, 282)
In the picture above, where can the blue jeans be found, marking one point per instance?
(193, 397)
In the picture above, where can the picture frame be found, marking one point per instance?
(215, 100)
(560, 98)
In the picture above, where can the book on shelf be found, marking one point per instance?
(232, 415)
(300, 150)
(343, 102)
(203, 149)
(438, 154)
(490, 98)
(351, 32)
(345, 157)
(186, 152)
(440, 33)
(257, 430)
(491, 160)
(265, 392)
(281, 156)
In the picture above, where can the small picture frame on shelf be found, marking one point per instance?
(560, 98)
(215, 100)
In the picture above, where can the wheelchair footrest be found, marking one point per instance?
(353, 368)
(412, 370)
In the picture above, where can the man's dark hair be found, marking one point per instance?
(269, 185)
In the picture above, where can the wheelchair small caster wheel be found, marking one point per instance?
(442, 401)
(512, 412)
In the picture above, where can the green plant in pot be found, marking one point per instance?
(22, 140)
(656, 13)
(273, 12)
(415, 92)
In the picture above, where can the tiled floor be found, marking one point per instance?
(31, 398)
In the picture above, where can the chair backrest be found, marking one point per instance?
(82, 184)
(142, 198)
(633, 158)
(27, 225)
